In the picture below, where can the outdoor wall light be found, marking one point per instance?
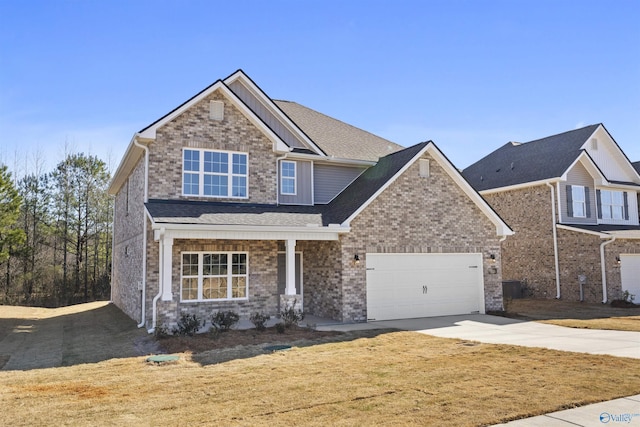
(617, 260)
(493, 258)
(356, 259)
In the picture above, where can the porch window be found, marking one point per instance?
(288, 178)
(210, 276)
(209, 173)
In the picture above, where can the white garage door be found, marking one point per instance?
(630, 272)
(404, 286)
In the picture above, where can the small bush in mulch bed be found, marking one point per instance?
(239, 337)
(625, 302)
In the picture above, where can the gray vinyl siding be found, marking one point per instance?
(261, 111)
(304, 195)
(578, 175)
(330, 180)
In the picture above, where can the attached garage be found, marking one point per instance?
(630, 274)
(404, 286)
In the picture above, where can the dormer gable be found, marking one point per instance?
(609, 158)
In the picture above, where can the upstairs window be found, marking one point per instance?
(613, 205)
(578, 201)
(288, 178)
(214, 173)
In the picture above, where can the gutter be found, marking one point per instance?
(555, 239)
(603, 268)
(144, 234)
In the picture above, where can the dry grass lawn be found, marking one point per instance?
(395, 378)
(576, 314)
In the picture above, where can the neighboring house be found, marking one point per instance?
(235, 201)
(572, 200)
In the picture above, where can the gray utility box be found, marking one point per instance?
(512, 289)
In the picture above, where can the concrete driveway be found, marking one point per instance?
(501, 330)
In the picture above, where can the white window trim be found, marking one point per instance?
(294, 178)
(611, 205)
(229, 174)
(201, 275)
(583, 202)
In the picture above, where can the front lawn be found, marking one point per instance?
(394, 378)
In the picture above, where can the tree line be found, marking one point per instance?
(55, 233)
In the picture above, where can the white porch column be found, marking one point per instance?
(166, 267)
(291, 267)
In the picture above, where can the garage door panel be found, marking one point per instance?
(421, 285)
(630, 274)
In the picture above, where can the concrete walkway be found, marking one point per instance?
(624, 411)
(501, 330)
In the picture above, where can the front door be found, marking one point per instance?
(282, 276)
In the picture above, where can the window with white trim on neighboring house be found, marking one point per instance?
(612, 205)
(208, 173)
(209, 276)
(288, 178)
(578, 201)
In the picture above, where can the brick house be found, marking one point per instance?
(572, 200)
(237, 201)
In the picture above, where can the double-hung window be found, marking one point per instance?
(207, 276)
(288, 178)
(612, 204)
(209, 173)
(578, 201)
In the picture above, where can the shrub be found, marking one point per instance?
(290, 316)
(187, 325)
(280, 327)
(161, 332)
(224, 320)
(259, 320)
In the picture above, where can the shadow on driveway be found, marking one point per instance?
(35, 338)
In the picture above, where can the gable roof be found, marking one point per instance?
(340, 211)
(518, 163)
(336, 212)
(336, 138)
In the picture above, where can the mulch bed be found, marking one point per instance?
(239, 337)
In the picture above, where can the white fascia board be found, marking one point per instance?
(581, 230)
(278, 144)
(618, 186)
(502, 229)
(519, 186)
(267, 102)
(330, 160)
(128, 162)
(585, 159)
(241, 232)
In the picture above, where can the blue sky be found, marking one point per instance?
(469, 75)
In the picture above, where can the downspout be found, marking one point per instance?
(154, 304)
(144, 233)
(603, 268)
(555, 239)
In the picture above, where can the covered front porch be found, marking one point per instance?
(249, 261)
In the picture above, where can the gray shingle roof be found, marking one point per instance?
(636, 166)
(603, 228)
(517, 163)
(336, 138)
(340, 208)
